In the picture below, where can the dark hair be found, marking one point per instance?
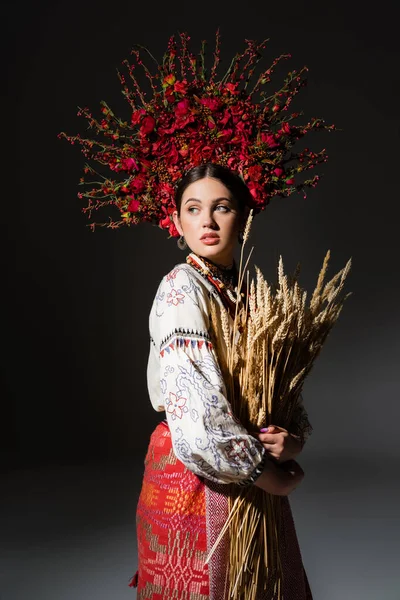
(231, 181)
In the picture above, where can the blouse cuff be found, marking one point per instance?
(256, 473)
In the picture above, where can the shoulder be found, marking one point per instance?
(184, 277)
(181, 302)
(182, 286)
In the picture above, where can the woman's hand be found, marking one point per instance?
(279, 443)
(280, 480)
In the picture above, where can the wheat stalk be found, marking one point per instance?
(267, 353)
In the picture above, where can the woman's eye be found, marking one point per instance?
(192, 208)
(226, 208)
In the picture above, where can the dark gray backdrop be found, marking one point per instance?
(76, 303)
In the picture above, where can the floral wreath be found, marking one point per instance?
(193, 119)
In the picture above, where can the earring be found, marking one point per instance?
(240, 237)
(181, 243)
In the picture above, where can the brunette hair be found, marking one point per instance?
(228, 178)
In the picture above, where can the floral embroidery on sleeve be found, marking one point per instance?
(175, 297)
(176, 405)
(237, 449)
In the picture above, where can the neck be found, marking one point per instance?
(225, 265)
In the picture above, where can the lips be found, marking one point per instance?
(209, 236)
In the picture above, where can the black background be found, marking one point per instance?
(76, 303)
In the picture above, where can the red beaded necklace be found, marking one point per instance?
(223, 279)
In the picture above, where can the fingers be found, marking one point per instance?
(268, 437)
(273, 429)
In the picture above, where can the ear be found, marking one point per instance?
(177, 222)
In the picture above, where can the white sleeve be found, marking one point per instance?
(206, 436)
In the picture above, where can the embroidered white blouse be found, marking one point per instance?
(185, 380)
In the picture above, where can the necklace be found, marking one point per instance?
(225, 279)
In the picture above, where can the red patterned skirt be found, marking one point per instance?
(178, 518)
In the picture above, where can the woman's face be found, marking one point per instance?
(209, 220)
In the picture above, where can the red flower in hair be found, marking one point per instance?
(182, 108)
(137, 116)
(133, 204)
(269, 139)
(255, 172)
(181, 87)
(191, 119)
(147, 125)
(278, 171)
(212, 104)
(138, 184)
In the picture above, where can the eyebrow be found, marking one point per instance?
(214, 201)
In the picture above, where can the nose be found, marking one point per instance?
(208, 220)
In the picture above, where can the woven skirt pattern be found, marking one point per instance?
(171, 527)
(179, 516)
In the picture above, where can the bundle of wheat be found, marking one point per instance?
(265, 357)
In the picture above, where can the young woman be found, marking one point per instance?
(200, 451)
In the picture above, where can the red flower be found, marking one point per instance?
(184, 151)
(147, 125)
(173, 230)
(172, 156)
(227, 115)
(269, 139)
(290, 181)
(285, 129)
(237, 109)
(231, 87)
(137, 115)
(241, 127)
(181, 86)
(127, 164)
(133, 205)
(182, 108)
(255, 188)
(182, 122)
(278, 171)
(225, 135)
(255, 172)
(165, 222)
(166, 192)
(137, 185)
(211, 103)
(169, 80)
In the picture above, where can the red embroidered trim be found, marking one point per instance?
(180, 341)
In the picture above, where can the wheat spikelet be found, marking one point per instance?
(248, 226)
(252, 300)
(279, 335)
(284, 288)
(296, 295)
(259, 294)
(335, 293)
(262, 418)
(315, 299)
(331, 284)
(270, 303)
(297, 378)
